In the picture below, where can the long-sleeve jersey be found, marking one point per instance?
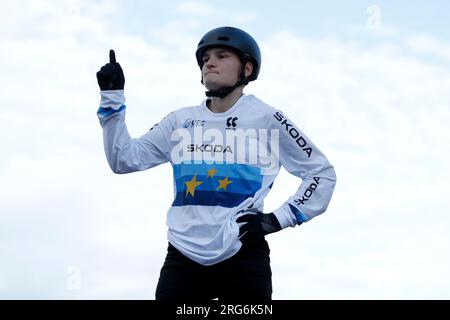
(224, 165)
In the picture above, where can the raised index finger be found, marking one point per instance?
(112, 56)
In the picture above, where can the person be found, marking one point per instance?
(225, 153)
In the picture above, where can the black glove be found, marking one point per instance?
(257, 226)
(110, 76)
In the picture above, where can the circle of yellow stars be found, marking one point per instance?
(193, 183)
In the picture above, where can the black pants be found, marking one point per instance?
(245, 276)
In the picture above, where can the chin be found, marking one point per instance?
(210, 85)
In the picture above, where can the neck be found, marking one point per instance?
(219, 105)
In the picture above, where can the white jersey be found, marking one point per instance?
(224, 165)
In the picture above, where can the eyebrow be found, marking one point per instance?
(221, 50)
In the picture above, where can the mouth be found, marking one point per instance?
(211, 72)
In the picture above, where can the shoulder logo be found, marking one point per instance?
(189, 123)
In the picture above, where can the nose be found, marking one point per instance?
(210, 63)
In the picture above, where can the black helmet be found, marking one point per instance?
(235, 39)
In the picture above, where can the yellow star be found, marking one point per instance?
(211, 172)
(223, 183)
(191, 185)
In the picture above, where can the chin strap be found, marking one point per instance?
(224, 91)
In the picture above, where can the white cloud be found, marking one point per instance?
(379, 113)
(383, 127)
(426, 44)
(196, 8)
(208, 16)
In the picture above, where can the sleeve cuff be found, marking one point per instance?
(289, 216)
(285, 217)
(113, 99)
(300, 216)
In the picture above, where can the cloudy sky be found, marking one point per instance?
(368, 82)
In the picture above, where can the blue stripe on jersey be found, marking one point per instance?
(106, 112)
(230, 170)
(212, 183)
(215, 184)
(210, 198)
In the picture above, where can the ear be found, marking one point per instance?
(248, 69)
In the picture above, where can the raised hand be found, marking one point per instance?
(112, 56)
(110, 76)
